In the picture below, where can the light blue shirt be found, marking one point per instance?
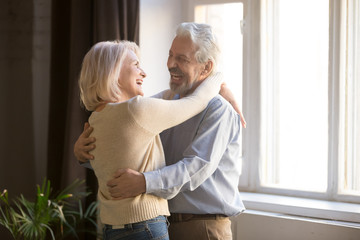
(203, 163)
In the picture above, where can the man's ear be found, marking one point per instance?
(207, 69)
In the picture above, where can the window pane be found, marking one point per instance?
(350, 101)
(295, 75)
(225, 20)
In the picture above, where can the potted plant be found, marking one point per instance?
(48, 217)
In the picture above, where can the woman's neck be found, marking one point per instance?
(100, 107)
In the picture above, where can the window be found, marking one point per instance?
(295, 91)
(226, 20)
(295, 94)
(308, 150)
(301, 96)
(349, 137)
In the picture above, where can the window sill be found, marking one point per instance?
(346, 213)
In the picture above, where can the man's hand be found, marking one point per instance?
(126, 183)
(226, 93)
(84, 144)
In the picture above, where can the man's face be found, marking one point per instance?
(185, 71)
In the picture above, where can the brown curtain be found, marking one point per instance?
(76, 26)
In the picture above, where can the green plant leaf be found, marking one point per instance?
(58, 216)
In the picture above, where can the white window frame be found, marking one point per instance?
(329, 205)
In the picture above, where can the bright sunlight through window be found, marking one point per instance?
(349, 164)
(295, 65)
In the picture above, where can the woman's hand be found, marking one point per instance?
(226, 93)
(84, 145)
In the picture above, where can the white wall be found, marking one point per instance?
(158, 20)
(257, 226)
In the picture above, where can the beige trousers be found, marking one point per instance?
(219, 229)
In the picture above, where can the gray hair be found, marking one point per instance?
(203, 37)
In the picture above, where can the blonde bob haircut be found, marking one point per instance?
(100, 72)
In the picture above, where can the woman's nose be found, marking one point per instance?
(143, 74)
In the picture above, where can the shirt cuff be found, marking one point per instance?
(153, 181)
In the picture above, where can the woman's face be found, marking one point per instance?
(131, 77)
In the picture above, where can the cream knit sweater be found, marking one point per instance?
(127, 136)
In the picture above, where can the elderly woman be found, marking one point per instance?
(127, 127)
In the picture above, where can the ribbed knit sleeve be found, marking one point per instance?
(156, 115)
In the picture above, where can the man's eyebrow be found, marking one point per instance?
(179, 55)
(184, 56)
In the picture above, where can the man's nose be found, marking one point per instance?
(171, 63)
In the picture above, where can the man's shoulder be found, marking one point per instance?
(218, 102)
(220, 106)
